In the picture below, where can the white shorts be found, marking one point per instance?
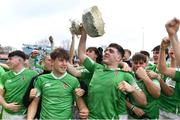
(163, 115)
(123, 117)
(7, 116)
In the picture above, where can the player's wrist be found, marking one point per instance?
(132, 107)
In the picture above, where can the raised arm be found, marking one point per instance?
(170, 72)
(172, 28)
(163, 69)
(73, 71)
(51, 42)
(71, 51)
(82, 46)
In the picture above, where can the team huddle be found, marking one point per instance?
(97, 85)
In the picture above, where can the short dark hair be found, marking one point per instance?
(98, 51)
(157, 48)
(93, 49)
(146, 53)
(118, 47)
(59, 53)
(139, 57)
(18, 53)
(128, 51)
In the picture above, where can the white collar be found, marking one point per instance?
(19, 71)
(58, 77)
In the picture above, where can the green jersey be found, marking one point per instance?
(105, 100)
(1, 71)
(85, 78)
(172, 103)
(57, 95)
(152, 67)
(152, 108)
(85, 75)
(15, 86)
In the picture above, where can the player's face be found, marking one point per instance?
(47, 63)
(137, 64)
(155, 56)
(59, 65)
(13, 62)
(111, 55)
(91, 54)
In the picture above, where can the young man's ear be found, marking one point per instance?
(21, 60)
(119, 58)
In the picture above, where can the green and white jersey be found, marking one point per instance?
(1, 71)
(85, 75)
(86, 78)
(152, 108)
(105, 100)
(15, 86)
(57, 95)
(152, 67)
(172, 103)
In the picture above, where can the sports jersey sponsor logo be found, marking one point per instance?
(65, 85)
(23, 78)
(8, 81)
(47, 85)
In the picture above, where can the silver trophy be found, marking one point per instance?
(91, 21)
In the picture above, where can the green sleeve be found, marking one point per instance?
(38, 86)
(85, 75)
(89, 64)
(76, 85)
(2, 81)
(131, 80)
(1, 71)
(177, 76)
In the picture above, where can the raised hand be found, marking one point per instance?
(141, 73)
(51, 39)
(165, 43)
(172, 26)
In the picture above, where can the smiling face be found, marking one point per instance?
(47, 63)
(111, 56)
(138, 60)
(155, 56)
(59, 66)
(59, 59)
(137, 64)
(14, 62)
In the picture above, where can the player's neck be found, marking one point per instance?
(58, 74)
(18, 68)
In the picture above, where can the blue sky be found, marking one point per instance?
(127, 22)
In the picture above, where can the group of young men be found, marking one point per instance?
(111, 93)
